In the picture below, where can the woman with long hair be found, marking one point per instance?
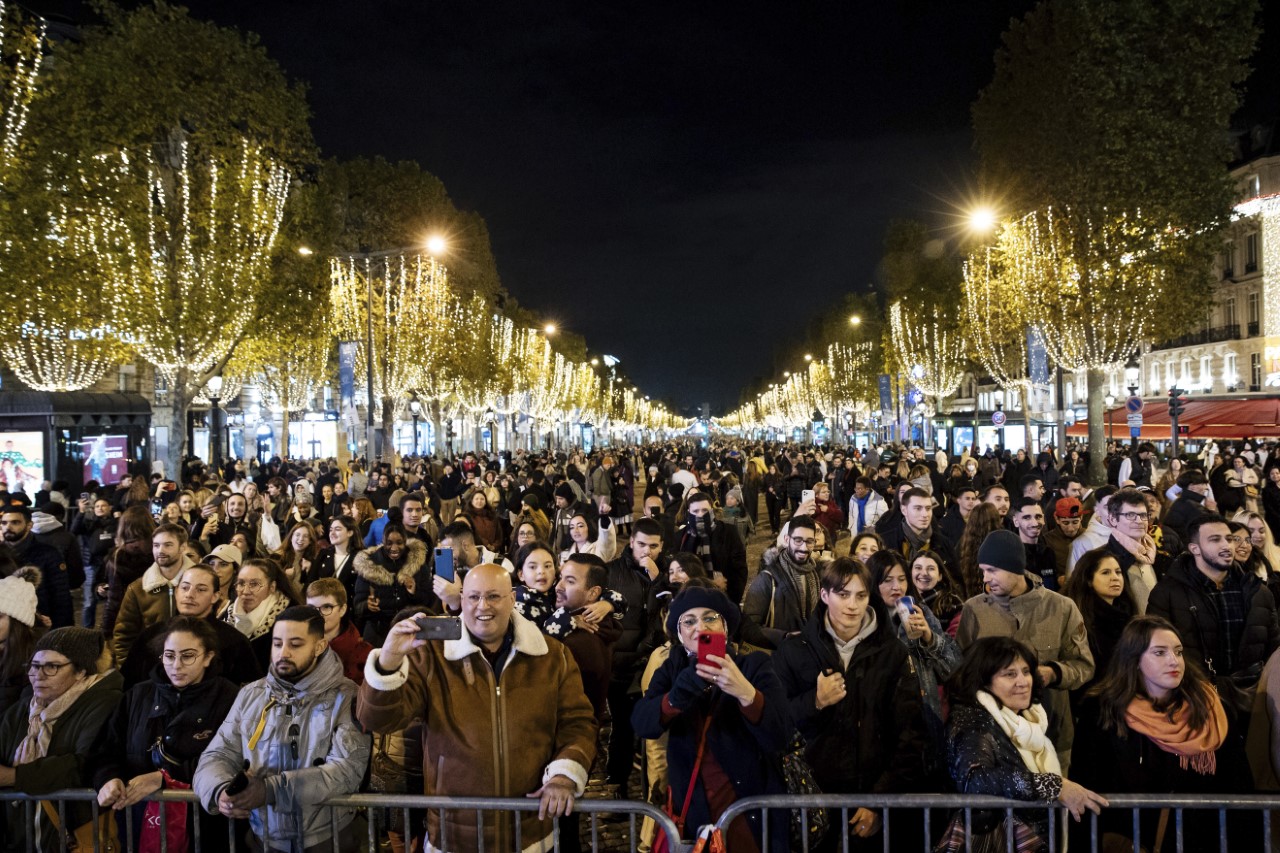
(1154, 725)
(363, 514)
(391, 576)
(1101, 591)
(131, 557)
(938, 588)
(864, 545)
(338, 559)
(483, 520)
(1262, 541)
(298, 553)
(983, 519)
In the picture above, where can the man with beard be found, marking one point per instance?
(53, 596)
(151, 598)
(718, 545)
(294, 737)
(785, 592)
(1067, 515)
(1028, 521)
(197, 598)
(1226, 617)
(219, 531)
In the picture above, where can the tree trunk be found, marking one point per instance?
(1026, 422)
(284, 433)
(1096, 379)
(180, 405)
(385, 436)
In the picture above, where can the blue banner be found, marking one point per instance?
(347, 372)
(886, 394)
(1037, 358)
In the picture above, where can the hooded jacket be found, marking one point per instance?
(57, 536)
(310, 749)
(1181, 598)
(873, 740)
(376, 574)
(484, 737)
(148, 601)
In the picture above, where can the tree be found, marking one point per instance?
(1111, 113)
(174, 144)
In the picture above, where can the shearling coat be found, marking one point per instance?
(487, 737)
(390, 585)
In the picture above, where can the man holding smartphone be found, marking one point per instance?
(501, 676)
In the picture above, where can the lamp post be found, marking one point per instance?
(1132, 370)
(491, 421)
(1110, 400)
(415, 408)
(214, 387)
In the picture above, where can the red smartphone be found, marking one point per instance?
(710, 644)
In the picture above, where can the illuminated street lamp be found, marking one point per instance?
(549, 329)
(982, 220)
(1110, 400)
(855, 320)
(415, 408)
(214, 389)
(1132, 370)
(437, 245)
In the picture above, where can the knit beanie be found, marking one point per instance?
(81, 646)
(564, 490)
(701, 596)
(1004, 550)
(18, 599)
(532, 499)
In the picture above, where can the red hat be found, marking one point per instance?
(1067, 508)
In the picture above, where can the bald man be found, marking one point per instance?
(503, 678)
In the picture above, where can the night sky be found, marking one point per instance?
(684, 184)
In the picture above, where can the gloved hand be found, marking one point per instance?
(686, 689)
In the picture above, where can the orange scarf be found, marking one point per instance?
(1195, 748)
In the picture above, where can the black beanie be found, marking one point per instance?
(701, 596)
(564, 490)
(1004, 550)
(81, 646)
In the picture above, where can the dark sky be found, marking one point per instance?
(685, 184)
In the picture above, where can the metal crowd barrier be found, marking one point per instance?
(924, 806)
(371, 804)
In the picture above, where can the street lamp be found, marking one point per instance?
(982, 220)
(1132, 370)
(855, 320)
(549, 329)
(1110, 400)
(436, 245)
(214, 389)
(415, 408)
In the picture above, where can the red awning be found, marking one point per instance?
(1247, 418)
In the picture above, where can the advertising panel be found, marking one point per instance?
(106, 458)
(22, 461)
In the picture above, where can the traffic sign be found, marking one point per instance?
(1134, 431)
(1133, 404)
(998, 418)
(1135, 420)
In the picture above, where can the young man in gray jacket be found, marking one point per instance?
(294, 737)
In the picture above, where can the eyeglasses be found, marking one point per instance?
(493, 599)
(251, 586)
(326, 609)
(708, 620)
(800, 540)
(187, 656)
(1134, 516)
(48, 670)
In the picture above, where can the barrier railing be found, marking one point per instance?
(925, 805)
(371, 805)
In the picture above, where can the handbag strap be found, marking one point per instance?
(693, 777)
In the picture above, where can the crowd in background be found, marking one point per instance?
(918, 622)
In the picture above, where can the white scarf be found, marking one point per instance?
(1027, 731)
(42, 717)
(261, 619)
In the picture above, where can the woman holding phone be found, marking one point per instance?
(725, 716)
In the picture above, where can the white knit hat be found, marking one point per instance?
(18, 599)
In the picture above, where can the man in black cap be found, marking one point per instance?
(1017, 605)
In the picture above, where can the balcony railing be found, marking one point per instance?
(1211, 335)
(1253, 328)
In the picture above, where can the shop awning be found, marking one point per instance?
(1223, 419)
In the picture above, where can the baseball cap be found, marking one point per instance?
(1067, 508)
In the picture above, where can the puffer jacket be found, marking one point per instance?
(66, 760)
(873, 740)
(488, 738)
(1181, 598)
(376, 574)
(148, 600)
(310, 749)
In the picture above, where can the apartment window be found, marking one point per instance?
(126, 378)
(1252, 186)
(1185, 373)
(1229, 260)
(1229, 312)
(1170, 373)
(1229, 377)
(162, 389)
(1155, 375)
(1206, 371)
(1255, 371)
(1069, 390)
(1251, 252)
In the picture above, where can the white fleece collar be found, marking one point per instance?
(153, 579)
(528, 641)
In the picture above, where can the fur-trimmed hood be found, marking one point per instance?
(370, 564)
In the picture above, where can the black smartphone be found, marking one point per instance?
(438, 628)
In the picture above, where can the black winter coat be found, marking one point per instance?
(750, 755)
(53, 595)
(97, 537)
(728, 555)
(125, 565)
(632, 582)
(1187, 507)
(874, 740)
(183, 721)
(1105, 761)
(1180, 598)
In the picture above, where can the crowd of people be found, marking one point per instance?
(506, 625)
